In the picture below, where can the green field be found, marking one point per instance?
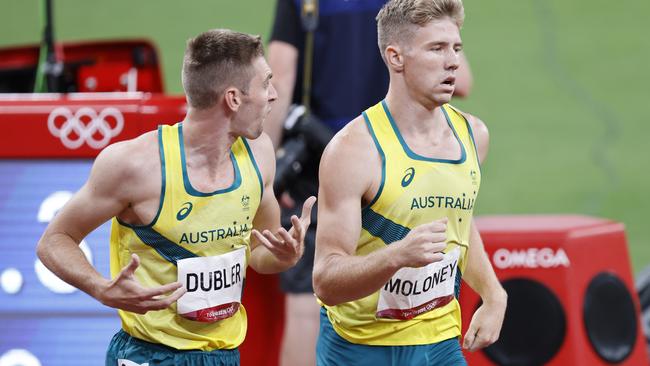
(561, 85)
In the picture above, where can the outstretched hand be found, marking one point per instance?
(126, 293)
(288, 246)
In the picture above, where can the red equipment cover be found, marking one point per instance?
(564, 256)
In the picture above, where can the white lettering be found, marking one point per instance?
(530, 258)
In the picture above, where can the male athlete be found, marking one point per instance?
(398, 186)
(184, 201)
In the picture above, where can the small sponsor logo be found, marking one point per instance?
(473, 175)
(245, 202)
(184, 211)
(408, 177)
(530, 258)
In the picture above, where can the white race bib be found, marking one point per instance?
(414, 291)
(214, 286)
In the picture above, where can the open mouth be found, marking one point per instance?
(450, 81)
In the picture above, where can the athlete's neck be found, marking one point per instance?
(413, 116)
(207, 137)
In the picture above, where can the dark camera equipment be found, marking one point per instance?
(305, 137)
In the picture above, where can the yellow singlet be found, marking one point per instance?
(188, 224)
(415, 190)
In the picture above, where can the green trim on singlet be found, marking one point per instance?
(162, 188)
(257, 169)
(383, 160)
(381, 227)
(457, 283)
(413, 155)
(471, 137)
(186, 180)
(169, 250)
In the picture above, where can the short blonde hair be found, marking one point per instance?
(215, 60)
(397, 19)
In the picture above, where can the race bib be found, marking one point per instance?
(414, 291)
(214, 286)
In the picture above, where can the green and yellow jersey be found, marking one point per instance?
(189, 224)
(417, 306)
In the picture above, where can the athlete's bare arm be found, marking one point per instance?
(273, 248)
(120, 184)
(487, 320)
(350, 175)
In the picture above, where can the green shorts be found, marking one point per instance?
(333, 350)
(125, 350)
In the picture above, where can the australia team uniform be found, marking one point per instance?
(201, 239)
(417, 310)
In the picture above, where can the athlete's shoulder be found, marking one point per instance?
(475, 123)
(130, 158)
(479, 131)
(353, 140)
(262, 143)
(351, 153)
(123, 168)
(262, 150)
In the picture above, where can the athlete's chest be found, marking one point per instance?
(205, 223)
(442, 146)
(413, 187)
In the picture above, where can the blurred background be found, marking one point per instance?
(561, 85)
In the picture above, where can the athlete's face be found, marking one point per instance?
(256, 102)
(431, 59)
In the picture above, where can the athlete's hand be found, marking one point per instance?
(423, 245)
(288, 246)
(486, 324)
(126, 293)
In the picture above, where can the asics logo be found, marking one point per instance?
(85, 126)
(184, 211)
(408, 177)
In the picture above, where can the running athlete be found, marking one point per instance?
(398, 186)
(184, 201)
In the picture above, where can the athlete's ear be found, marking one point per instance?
(394, 58)
(232, 97)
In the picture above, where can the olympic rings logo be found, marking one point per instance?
(85, 126)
